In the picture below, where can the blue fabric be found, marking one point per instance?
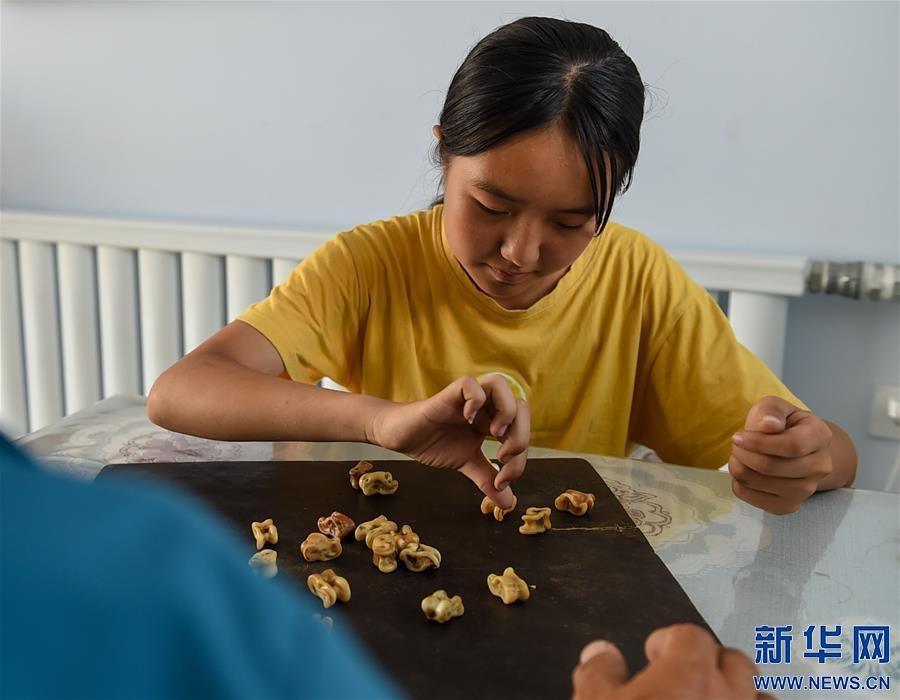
(132, 590)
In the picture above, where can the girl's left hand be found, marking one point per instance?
(781, 456)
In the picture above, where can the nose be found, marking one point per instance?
(522, 246)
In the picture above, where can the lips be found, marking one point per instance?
(505, 276)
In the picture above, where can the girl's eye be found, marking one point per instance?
(488, 210)
(571, 227)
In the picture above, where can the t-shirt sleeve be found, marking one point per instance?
(701, 381)
(314, 317)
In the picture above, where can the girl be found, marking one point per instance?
(583, 334)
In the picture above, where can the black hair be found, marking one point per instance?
(538, 72)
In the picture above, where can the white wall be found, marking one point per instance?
(773, 128)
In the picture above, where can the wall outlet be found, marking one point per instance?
(884, 421)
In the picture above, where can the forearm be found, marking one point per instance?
(214, 397)
(843, 460)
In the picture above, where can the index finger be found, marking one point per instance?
(687, 642)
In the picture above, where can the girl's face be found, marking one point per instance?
(519, 214)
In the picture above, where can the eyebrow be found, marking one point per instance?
(497, 192)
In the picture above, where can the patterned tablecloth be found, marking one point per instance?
(808, 586)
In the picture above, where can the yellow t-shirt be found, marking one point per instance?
(626, 349)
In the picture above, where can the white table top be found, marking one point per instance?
(835, 562)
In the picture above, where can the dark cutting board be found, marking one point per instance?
(592, 577)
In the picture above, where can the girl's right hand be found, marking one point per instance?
(448, 429)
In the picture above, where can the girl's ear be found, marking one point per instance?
(438, 134)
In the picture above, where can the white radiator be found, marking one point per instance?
(97, 307)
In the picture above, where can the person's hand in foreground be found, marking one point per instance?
(684, 662)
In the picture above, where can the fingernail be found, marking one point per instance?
(502, 431)
(471, 418)
(737, 439)
(772, 420)
(593, 649)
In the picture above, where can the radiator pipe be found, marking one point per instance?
(856, 280)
